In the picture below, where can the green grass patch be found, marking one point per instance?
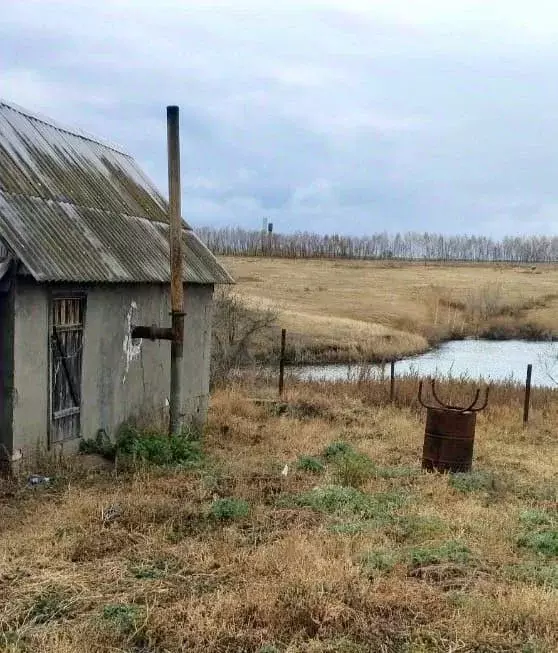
(477, 481)
(310, 464)
(336, 499)
(123, 617)
(229, 509)
(544, 542)
(451, 551)
(396, 472)
(536, 573)
(417, 527)
(52, 604)
(540, 531)
(147, 446)
(350, 528)
(377, 562)
(152, 569)
(353, 469)
(336, 449)
(536, 517)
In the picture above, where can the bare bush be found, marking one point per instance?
(235, 328)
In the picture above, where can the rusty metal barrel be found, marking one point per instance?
(449, 435)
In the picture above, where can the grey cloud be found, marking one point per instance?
(349, 117)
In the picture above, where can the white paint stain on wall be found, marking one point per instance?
(130, 346)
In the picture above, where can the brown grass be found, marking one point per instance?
(355, 310)
(166, 576)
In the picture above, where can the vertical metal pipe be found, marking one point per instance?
(282, 362)
(527, 395)
(177, 289)
(392, 382)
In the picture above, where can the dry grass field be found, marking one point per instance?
(354, 550)
(355, 310)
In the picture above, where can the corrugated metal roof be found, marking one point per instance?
(75, 209)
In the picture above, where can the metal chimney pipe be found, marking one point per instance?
(177, 289)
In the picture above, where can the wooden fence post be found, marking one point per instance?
(392, 382)
(282, 362)
(527, 395)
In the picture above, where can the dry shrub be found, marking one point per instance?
(235, 328)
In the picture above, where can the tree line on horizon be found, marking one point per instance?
(236, 241)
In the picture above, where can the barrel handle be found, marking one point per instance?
(421, 401)
(471, 408)
(448, 406)
(476, 409)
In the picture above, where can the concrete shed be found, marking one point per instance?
(84, 256)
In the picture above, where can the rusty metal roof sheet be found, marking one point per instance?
(75, 209)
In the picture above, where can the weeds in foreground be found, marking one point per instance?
(452, 551)
(472, 481)
(406, 563)
(230, 508)
(124, 618)
(49, 605)
(374, 562)
(544, 542)
(540, 531)
(341, 500)
(146, 446)
(540, 572)
(310, 464)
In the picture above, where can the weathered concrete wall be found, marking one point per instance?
(31, 360)
(121, 378)
(6, 371)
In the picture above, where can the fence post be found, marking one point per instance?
(392, 382)
(282, 361)
(527, 395)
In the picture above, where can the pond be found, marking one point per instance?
(489, 360)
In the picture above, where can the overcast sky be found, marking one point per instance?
(345, 116)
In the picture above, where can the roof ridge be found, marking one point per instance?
(73, 131)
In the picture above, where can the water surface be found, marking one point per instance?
(488, 360)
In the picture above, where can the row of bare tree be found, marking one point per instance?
(234, 241)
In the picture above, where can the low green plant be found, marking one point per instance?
(543, 541)
(156, 448)
(310, 464)
(147, 446)
(417, 527)
(230, 508)
(337, 499)
(337, 448)
(395, 472)
(537, 517)
(124, 617)
(375, 562)
(353, 469)
(472, 481)
(268, 648)
(101, 444)
(540, 532)
(349, 528)
(538, 573)
(152, 569)
(51, 604)
(451, 551)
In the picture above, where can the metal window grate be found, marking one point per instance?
(67, 356)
